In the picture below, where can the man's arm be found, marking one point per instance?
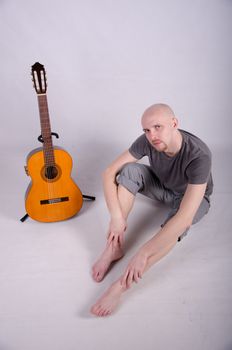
(118, 222)
(159, 245)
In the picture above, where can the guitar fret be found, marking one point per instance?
(48, 150)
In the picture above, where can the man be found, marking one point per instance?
(179, 175)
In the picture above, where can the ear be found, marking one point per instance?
(175, 122)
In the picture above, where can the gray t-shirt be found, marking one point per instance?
(191, 165)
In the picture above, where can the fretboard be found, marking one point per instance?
(46, 131)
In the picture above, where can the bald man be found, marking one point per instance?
(179, 175)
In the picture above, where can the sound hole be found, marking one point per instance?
(51, 172)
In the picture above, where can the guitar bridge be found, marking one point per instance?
(54, 200)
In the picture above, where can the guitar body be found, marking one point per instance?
(52, 194)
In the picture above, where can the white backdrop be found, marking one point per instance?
(106, 61)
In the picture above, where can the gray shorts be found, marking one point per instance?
(140, 178)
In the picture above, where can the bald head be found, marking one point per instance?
(159, 109)
(161, 128)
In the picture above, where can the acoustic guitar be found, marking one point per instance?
(52, 194)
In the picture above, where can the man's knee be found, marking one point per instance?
(131, 177)
(132, 170)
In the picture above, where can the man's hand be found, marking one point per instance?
(116, 231)
(135, 269)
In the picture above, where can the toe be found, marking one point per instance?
(94, 310)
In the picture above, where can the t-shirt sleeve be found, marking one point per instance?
(138, 149)
(198, 171)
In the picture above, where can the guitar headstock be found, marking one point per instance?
(39, 78)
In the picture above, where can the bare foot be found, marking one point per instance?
(102, 265)
(109, 301)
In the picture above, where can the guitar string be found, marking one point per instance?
(53, 170)
(50, 168)
(47, 166)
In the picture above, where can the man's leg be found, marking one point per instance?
(133, 178)
(113, 251)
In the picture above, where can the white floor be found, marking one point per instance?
(46, 290)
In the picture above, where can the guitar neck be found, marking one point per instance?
(48, 150)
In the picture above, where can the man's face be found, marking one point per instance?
(159, 130)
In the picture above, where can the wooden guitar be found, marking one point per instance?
(52, 194)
